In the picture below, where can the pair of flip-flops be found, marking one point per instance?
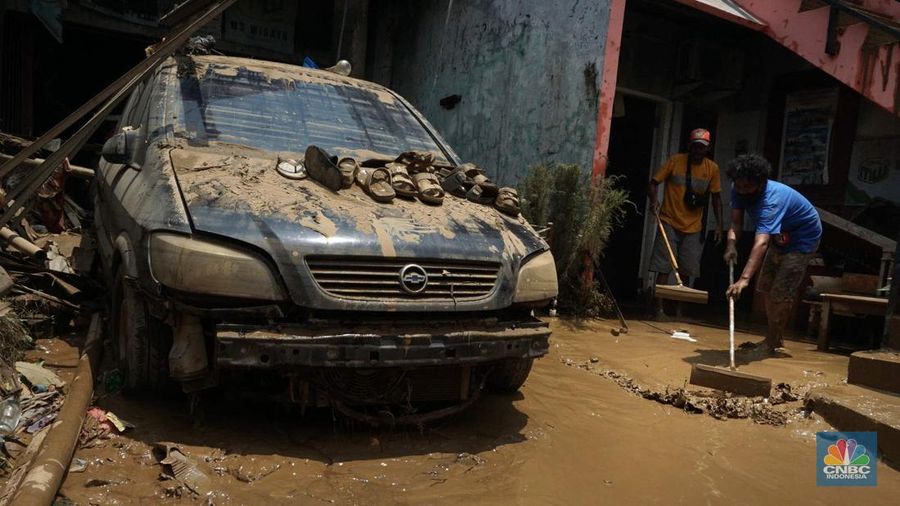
(470, 182)
(412, 176)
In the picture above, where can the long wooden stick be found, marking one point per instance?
(731, 317)
(665, 237)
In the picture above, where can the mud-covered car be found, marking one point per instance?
(218, 262)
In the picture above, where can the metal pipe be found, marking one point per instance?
(41, 483)
(75, 170)
(23, 245)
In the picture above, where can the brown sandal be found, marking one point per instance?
(322, 167)
(429, 188)
(508, 201)
(400, 180)
(376, 181)
(476, 174)
(416, 161)
(348, 168)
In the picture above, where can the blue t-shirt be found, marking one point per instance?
(785, 214)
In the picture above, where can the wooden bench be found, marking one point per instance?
(847, 305)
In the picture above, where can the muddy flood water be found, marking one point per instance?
(571, 436)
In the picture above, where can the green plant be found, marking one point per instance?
(582, 213)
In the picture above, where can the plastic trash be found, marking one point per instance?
(683, 335)
(10, 414)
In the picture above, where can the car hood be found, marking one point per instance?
(235, 192)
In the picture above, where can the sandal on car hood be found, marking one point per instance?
(348, 168)
(323, 168)
(429, 187)
(416, 161)
(376, 181)
(476, 174)
(455, 182)
(400, 180)
(508, 201)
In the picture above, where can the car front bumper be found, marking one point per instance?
(241, 346)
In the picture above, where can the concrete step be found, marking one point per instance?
(875, 369)
(859, 409)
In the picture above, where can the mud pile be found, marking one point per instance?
(779, 409)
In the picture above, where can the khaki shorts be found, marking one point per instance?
(782, 273)
(687, 250)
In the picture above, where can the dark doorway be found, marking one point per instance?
(630, 155)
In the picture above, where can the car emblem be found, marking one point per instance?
(413, 279)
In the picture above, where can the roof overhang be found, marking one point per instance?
(727, 10)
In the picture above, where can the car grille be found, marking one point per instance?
(379, 278)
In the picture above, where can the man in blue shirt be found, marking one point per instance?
(788, 231)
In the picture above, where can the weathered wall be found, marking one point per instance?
(527, 72)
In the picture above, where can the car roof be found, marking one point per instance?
(276, 70)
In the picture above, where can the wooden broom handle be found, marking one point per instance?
(662, 230)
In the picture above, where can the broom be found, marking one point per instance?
(679, 291)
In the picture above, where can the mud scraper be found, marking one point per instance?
(679, 291)
(730, 380)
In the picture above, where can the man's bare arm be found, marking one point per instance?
(717, 212)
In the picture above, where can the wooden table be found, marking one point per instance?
(847, 305)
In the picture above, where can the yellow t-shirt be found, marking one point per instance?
(704, 178)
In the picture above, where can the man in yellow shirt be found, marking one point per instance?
(682, 212)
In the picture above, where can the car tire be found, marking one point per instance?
(141, 343)
(509, 375)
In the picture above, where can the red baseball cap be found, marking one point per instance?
(700, 135)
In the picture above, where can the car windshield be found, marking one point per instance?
(290, 112)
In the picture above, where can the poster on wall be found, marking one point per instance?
(874, 171)
(808, 117)
(265, 24)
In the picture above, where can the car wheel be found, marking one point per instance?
(140, 341)
(509, 375)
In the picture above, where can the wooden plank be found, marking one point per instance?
(840, 297)
(730, 381)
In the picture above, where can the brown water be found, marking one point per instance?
(570, 437)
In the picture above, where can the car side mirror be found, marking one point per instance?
(121, 148)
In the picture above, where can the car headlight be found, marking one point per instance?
(537, 279)
(198, 266)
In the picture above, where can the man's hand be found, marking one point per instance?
(736, 289)
(730, 253)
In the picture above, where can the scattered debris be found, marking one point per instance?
(100, 424)
(717, 404)
(683, 335)
(77, 465)
(36, 374)
(10, 414)
(182, 468)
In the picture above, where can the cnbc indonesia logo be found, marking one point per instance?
(846, 461)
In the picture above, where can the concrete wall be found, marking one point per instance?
(527, 72)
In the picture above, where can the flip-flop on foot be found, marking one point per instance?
(376, 181)
(429, 188)
(323, 168)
